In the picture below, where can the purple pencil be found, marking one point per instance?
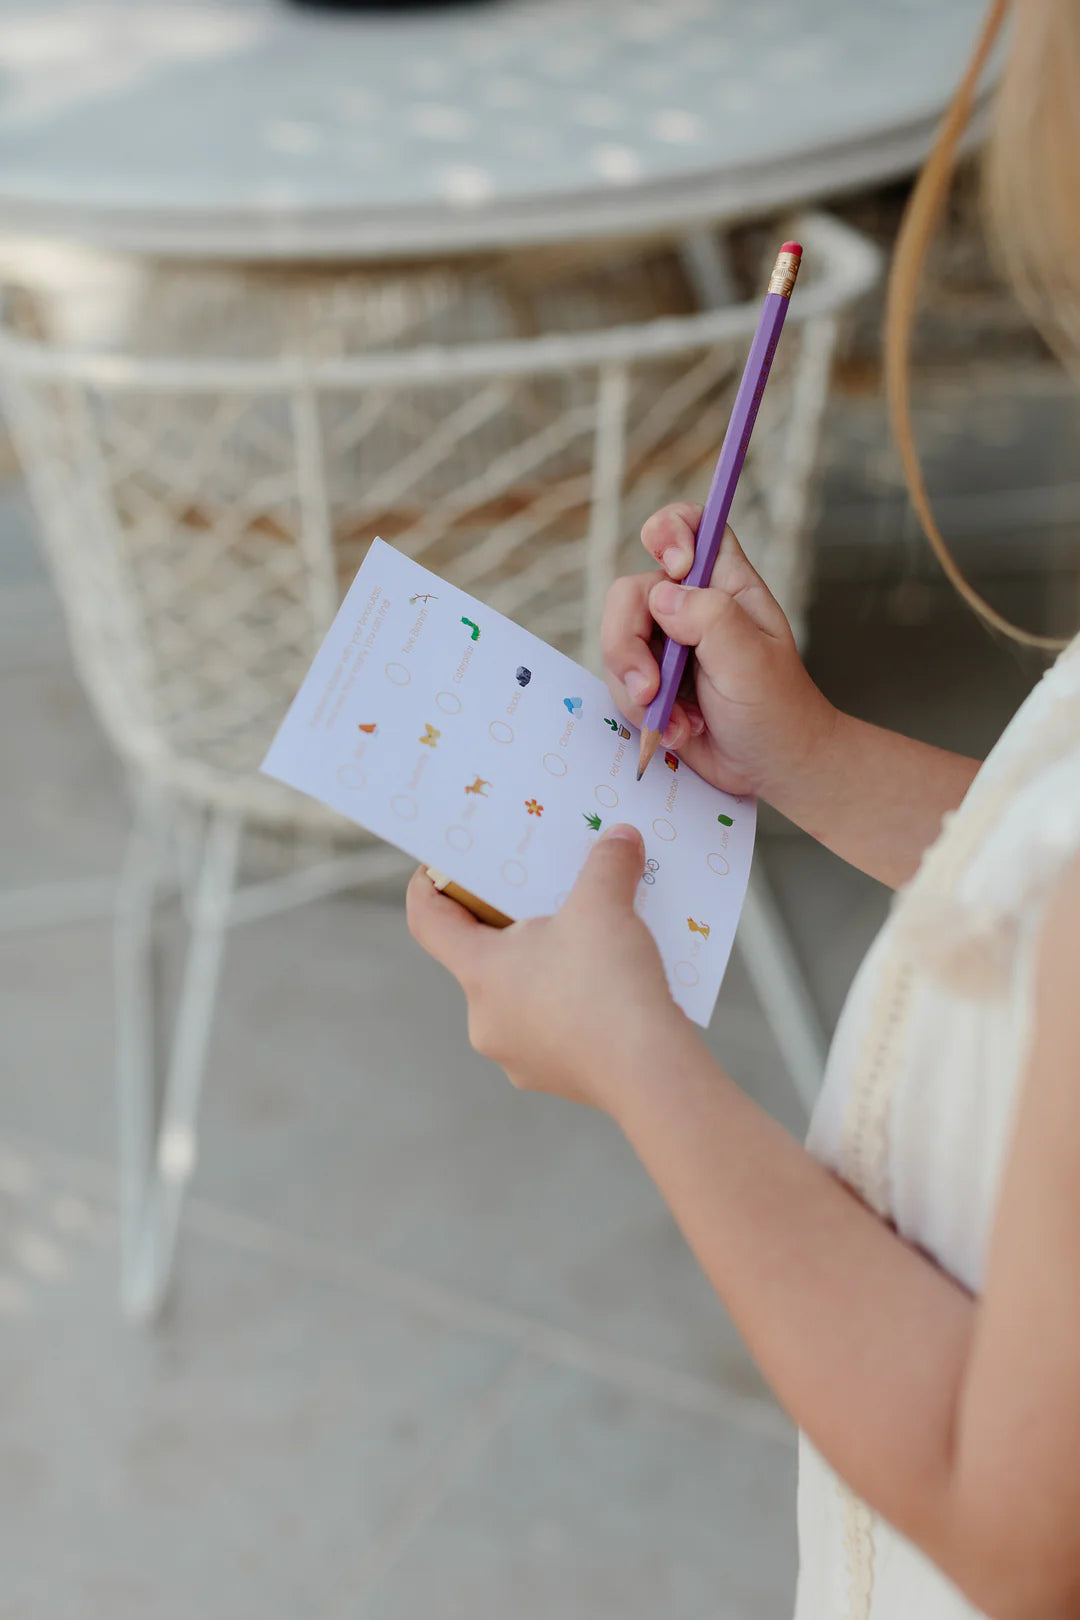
(728, 467)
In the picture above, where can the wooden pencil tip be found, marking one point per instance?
(650, 742)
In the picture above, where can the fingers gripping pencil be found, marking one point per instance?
(725, 478)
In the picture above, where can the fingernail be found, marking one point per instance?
(637, 685)
(666, 596)
(670, 733)
(622, 830)
(697, 724)
(673, 559)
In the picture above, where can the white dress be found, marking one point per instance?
(922, 1081)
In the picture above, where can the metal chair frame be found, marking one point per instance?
(191, 815)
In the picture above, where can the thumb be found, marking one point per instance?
(727, 639)
(610, 876)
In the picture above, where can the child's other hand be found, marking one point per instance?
(758, 719)
(570, 1004)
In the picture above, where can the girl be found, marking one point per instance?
(910, 1281)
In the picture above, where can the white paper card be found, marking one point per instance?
(453, 733)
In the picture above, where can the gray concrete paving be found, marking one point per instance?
(436, 1348)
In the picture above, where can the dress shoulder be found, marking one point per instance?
(1000, 854)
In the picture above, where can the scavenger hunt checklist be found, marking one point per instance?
(448, 730)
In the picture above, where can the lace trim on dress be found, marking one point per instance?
(858, 1532)
(864, 1165)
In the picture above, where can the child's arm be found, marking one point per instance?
(874, 797)
(957, 1419)
(759, 724)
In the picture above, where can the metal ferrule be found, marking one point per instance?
(785, 270)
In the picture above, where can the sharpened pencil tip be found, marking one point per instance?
(650, 741)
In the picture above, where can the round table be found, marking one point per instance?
(249, 129)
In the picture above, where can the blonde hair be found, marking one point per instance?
(1032, 196)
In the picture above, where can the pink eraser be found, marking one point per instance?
(792, 247)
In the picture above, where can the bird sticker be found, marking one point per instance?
(473, 629)
(698, 927)
(431, 736)
(574, 706)
(533, 807)
(370, 729)
(671, 761)
(620, 731)
(479, 787)
(594, 822)
(523, 676)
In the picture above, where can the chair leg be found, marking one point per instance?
(781, 988)
(136, 901)
(157, 1148)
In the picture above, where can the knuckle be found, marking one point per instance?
(473, 980)
(613, 639)
(732, 547)
(485, 1034)
(618, 606)
(620, 592)
(709, 607)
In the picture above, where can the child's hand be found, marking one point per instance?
(569, 1004)
(758, 720)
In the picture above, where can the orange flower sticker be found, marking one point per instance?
(533, 807)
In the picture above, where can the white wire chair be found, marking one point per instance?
(206, 491)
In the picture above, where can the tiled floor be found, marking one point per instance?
(437, 1349)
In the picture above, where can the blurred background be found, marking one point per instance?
(302, 1310)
